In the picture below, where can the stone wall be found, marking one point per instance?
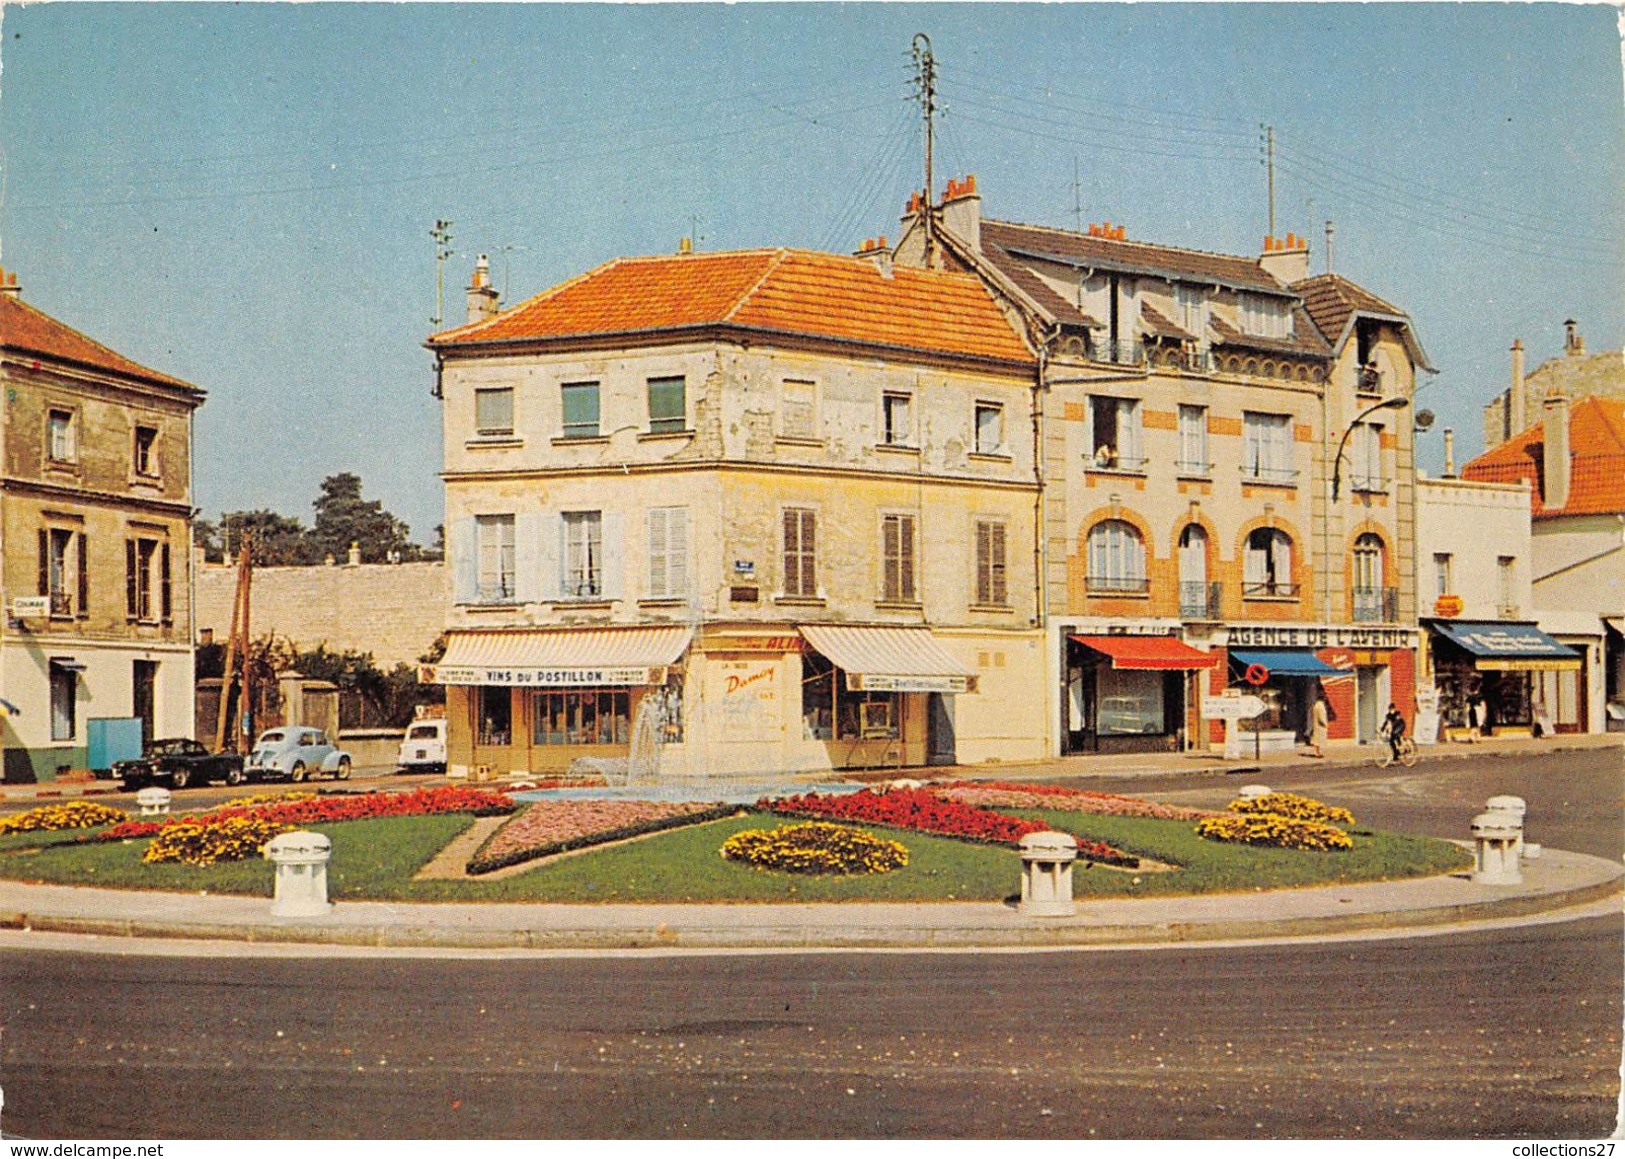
(395, 611)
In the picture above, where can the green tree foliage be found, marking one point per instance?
(343, 517)
(369, 697)
(278, 540)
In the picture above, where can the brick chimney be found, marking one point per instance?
(1574, 345)
(962, 211)
(1286, 258)
(482, 295)
(1517, 397)
(876, 250)
(8, 283)
(1555, 460)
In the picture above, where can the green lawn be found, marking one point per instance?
(376, 859)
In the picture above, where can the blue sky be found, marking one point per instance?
(242, 195)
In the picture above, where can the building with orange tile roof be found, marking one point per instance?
(757, 511)
(95, 513)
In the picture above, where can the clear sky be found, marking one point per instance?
(242, 195)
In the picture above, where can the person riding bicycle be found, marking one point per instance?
(1393, 727)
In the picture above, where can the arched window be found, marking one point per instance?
(1116, 558)
(1369, 595)
(1267, 566)
(1194, 602)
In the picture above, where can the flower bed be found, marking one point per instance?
(64, 815)
(918, 809)
(1275, 830)
(1296, 807)
(1014, 795)
(206, 839)
(545, 828)
(309, 810)
(815, 847)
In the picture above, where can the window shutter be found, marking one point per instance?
(1283, 558)
(905, 556)
(44, 563)
(659, 547)
(131, 580)
(464, 562)
(549, 557)
(677, 552)
(84, 575)
(1253, 567)
(792, 556)
(996, 563)
(527, 551)
(612, 530)
(165, 603)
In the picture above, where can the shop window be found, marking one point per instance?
(991, 586)
(667, 405)
(897, 555)
(1116, 558)
(830, 711)
(495, 706)
(817, 697)
(580, 409)
(1114, 424)
(1129, 703)
(1267, 566)
(64, 702)
(493, 411)
(582, 717)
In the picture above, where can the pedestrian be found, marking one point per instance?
(1319, 722)
(1393, 728)
(1542, 719)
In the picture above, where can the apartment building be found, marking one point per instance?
(772, 509)
(95, 517)
(1227, 461)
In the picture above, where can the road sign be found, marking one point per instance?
(1232, 707)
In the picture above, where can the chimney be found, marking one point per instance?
(876, 250)
(685, 246)
(1555, 458)
(354, 559)
(1573, 344)
(1517, 399)
(1286, 259)
(962, 211)
(1449, 453)
(8, 283)
(482, 296)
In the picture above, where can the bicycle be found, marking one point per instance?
(1407, 754)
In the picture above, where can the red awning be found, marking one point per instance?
(1149, 653)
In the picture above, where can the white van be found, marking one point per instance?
(424, 749)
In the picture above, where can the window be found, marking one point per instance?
(1264, 316)
(667, 405)
(991, 590)
(897, 555)
(1507, 585)
(1115, 427)
(897, 417)
(56, 569)
(1193, 458)
(1370, 604)
(1267, 447)
(800, 548)
(146, 580)
(1442, 585)
(798, 410)
(145, 457)
(1116, 558)
(668, 552)
(989, 428)
(494, 549)
(1190, 310)
(583, 554)
(1267, 566)
(495, 726)
(1195, 600)
(59, 436)
(64, 698)
(493, 411)
(580, 410)
(1365, 457)
(581, 716)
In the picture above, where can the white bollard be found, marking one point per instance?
(1495, 855)
(1517, 807)
(1046, 874)
(152, 801)
(1252, 792)
(301, 874)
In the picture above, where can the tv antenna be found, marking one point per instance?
(441, 233)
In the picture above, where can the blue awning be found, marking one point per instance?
(1285, 661)
(1500, 640)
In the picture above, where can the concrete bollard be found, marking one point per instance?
(152, 801)
(1517, 807)
(1252, 792)
(1495, 856)
(301, 874)
(1046, 874)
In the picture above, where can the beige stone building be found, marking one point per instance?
(774, 508)
(95, 518)
(1573, 374)
(1227, 467)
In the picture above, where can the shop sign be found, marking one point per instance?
(752, 644)
(868, 682)
(30, 607)
(540, 677)
(1317, 636)
(1448, 606)
(1492, 664)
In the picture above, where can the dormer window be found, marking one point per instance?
(1190, 310)
(1263, 316)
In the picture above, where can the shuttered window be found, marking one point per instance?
(668, 553)
(800, 550)
(897, 554)
(991, 587)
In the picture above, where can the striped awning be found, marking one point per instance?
(559, 657)
(885, 659)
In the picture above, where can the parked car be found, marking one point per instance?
(424, 748)
(178, 762)
(294, 752)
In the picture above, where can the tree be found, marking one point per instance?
(206, 534)
(343, 518)
(278, 540)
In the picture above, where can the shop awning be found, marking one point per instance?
(1507, 647)
(559, 657)
(879, 659)
(1615, 624)
(1285, 661)
(1148, 653)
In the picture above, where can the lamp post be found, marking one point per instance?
(1395, 403)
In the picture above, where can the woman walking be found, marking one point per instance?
(1320, 721)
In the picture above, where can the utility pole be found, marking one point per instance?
(1077, 198)
(925, 85)
(441, 233)
(1269, 167)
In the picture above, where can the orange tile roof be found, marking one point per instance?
(1596, 460)
(791, 292)
(30, 331)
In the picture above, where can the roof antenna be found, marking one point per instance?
(441, 233)
(1077, 197)
(925, 83)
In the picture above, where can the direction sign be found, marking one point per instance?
(30, 607)
(1232, 707)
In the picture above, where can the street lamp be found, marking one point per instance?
(1395, 403)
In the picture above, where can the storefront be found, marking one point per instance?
(1129, 693)
(1486, 674)
(1287, 680)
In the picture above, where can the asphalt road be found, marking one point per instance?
(1486, 1034)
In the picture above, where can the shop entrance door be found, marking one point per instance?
(940, 733)
(1367, 698)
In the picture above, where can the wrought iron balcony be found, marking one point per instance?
(1269, 590)
(1113, 585)
(1376, 605)
(1200, 599)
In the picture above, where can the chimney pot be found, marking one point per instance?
(1555, 465)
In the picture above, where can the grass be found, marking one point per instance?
(376, 859)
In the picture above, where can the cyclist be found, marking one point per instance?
(1393, 728)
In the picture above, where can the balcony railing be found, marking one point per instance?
(1109, 459)
(1269, 590)
(1376, 605)
(1200, 599)
(1113, 585)
(1126, 352)
(61, 604)
(1260, 473)
(1372, 484)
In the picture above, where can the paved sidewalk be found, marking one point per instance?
(1554, 881)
